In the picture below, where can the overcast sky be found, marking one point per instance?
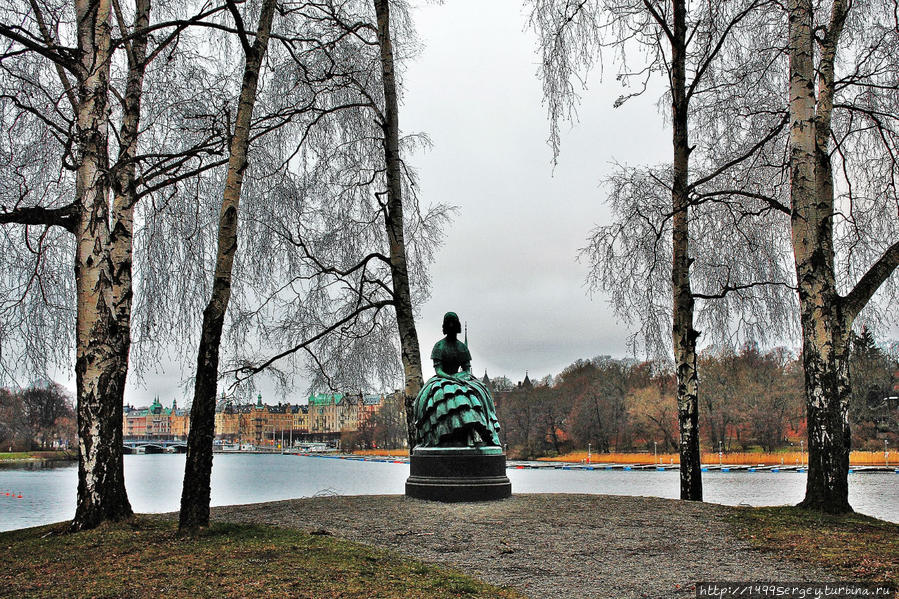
(508, 265)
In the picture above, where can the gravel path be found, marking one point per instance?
(553, 546)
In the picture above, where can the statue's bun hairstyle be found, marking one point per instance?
(451, 324)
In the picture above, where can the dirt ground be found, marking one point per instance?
(547, 545)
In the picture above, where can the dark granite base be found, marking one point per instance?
(458, 474)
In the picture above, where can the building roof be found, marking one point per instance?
(324, 399)
(526, 383)
(348, 400)
(154, 409)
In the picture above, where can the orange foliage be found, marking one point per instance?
(788, 458)
(614, 458)
(393, 453)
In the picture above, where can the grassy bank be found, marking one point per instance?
(147, 558)
(50, 456)
(852, 547)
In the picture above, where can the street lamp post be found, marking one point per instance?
(655, 451)
(589, 454)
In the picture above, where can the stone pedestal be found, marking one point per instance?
(458, 474)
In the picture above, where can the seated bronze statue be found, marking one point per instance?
(454, 409)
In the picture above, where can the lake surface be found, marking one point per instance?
(154, 485)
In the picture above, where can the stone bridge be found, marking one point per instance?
(155, 446)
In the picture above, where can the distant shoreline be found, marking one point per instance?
(23, 457)
(32, 456)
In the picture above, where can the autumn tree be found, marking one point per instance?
(389, 423)
(73, 79)
(517, 411)
(13, 421)
(751, 396)
(83, 82)
(649, 259)
(598, 391)
(83, 75)
(48, 410)
(501, 384)
(194, 511)
(320, 269)
(653, 412)
(552, 410)
(825, 183)
(356, 242)
(833, 173)
(720, 411)
(871, 370)
(769, 394)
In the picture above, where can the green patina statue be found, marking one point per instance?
(454, 409)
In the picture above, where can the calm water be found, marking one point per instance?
(154, 485)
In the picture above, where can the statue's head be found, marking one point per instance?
(451, 324)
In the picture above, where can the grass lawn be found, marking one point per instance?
(852, 547)
(37, 455)
(145, 557)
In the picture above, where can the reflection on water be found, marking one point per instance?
(35, 464)
(154, 485)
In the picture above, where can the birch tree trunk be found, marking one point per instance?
(198, 468)
(825, 322)
(124, 185)
(683, 334)
(826, 316)
(99, 375)
(124, 189)
(405, 317)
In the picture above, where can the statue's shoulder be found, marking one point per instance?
(439, 349)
